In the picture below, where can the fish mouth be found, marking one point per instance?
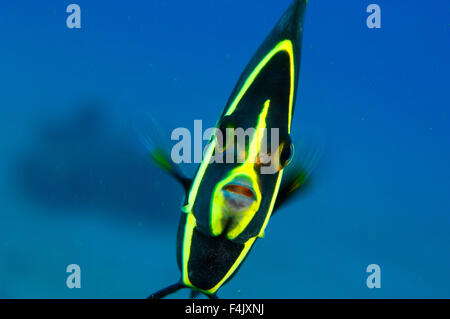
(239, 194)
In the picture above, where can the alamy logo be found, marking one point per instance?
(374, 19)
(374, 279)
(231, 145)
(73, 21)
(74, 279)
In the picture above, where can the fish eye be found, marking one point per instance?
(264, 159)
(285, 156)
(223, 141)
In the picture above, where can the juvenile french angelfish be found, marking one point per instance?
(228, 203)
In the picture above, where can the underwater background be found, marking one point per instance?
(76, 185)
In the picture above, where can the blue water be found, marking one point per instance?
(76, 186)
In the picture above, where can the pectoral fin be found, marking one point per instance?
(151, 136)
(292, 185)
(162, 159)
(296, 180)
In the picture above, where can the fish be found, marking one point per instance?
(228, 204)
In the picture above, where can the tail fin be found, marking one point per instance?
(174, 288)
(167, 291)
(195, 294)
